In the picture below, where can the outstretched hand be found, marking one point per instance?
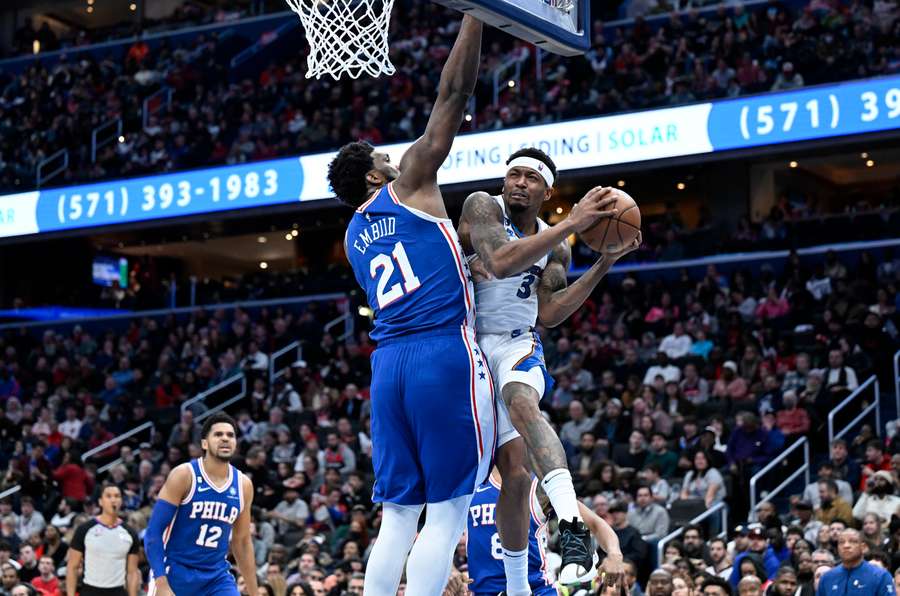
(612, 570)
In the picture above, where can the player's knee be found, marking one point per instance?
(522, 402)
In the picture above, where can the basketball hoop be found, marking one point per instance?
(346, 36)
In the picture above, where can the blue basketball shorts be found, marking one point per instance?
(433, 417)
(190, 581)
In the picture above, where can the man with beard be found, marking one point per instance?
(854, 576)
(660, 583)
(202, 510)
(833, 507)
(719, 562)
(879, 498)
(694, 546)
(108, 550)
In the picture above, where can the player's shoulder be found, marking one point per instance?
(481, 206)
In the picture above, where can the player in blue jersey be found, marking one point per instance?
(520, 266)
(202, 510)
(485, 553)
(432, 395)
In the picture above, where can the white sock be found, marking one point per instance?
(558, 486)
(398, 531)
(515, 563)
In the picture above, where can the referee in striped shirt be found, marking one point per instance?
(108, 549)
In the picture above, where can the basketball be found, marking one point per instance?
(611, 234)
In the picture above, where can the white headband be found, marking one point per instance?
(535, 164)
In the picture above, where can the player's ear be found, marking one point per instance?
(548, 194)
(375, 177)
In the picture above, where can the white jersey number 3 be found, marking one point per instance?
(386, 264)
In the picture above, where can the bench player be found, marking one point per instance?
(525, 262)
(202, 510)
(485, 553)
(432, 396)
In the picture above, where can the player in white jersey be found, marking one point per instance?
(520, 266)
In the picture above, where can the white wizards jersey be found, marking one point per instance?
(504, 305)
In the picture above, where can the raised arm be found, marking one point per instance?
(420, 163)
(481, 228)
(556, 299)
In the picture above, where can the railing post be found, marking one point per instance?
(39, 176)
(877, 408)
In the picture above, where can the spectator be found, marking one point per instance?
(589, 455)
(659, 455)
(74, 481)
(844, 467)
(30, 522)
(719, 561)
(46, 582)
(694, 387)
(647, 517)
(634, 548)
(831, 506)
(634, 454)
(876, 460)
(759, 546)
(29, 563)
(730, 385)
(792, 420)
(879, 498)
(663, 368)
(677, 344)
(659, 486)
(787, 78)
(571, 432)
(703, 482)
(840, 380)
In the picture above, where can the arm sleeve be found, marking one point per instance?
(78, 538)
(163, 513)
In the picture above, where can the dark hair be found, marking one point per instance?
(831, 484)
(879, 555)
(539, 155)
(105, 485)
(269, 590)
(347, 172)
(875, 444)
(643, 485)
(217, 418)
(714, 580)
(697, 527)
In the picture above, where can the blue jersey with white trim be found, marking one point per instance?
(485, 554)
(200, 534)
(411, 266)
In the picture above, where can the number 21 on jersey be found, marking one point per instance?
(385, 263)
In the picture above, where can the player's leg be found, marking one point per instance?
(549, 460)
(398, 479)
(431, 557)
(399, 524)
(513, 511)
(452, 412)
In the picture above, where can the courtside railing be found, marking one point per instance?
(782, 457)
(235, 383)
(40, 176)
(10, 491)
(897, 383)
(289, 354)
(102, 136)
(116, 440)
(875, 405)
(719, 508)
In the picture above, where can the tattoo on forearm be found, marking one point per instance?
(545, 450)
(484, 219)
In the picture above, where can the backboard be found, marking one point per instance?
(558, 26)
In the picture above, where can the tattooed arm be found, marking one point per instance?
(482, 232)
(556, 301)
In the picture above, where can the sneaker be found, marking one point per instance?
(579, 561)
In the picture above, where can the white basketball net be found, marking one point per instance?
(346, 36)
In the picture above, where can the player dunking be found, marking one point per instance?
(432, 395)
(202, 509)
(525, 261)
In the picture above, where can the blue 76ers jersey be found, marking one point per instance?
(485, 553)
(411, 266)
(200, 534)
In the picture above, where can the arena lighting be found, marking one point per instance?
(681, 186)
(558, 210)
(121, 138)
(511, 83)
(288, 236)
(132, 7)
(90, 2)
(864, 155)
(793, 164)
(365, 311)
(295, 233)
(870, 163)
(261, 239)
(36, 47)
(90, 9)
(468, 117)
(620, 183)
(295, 226)
(263, 265)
